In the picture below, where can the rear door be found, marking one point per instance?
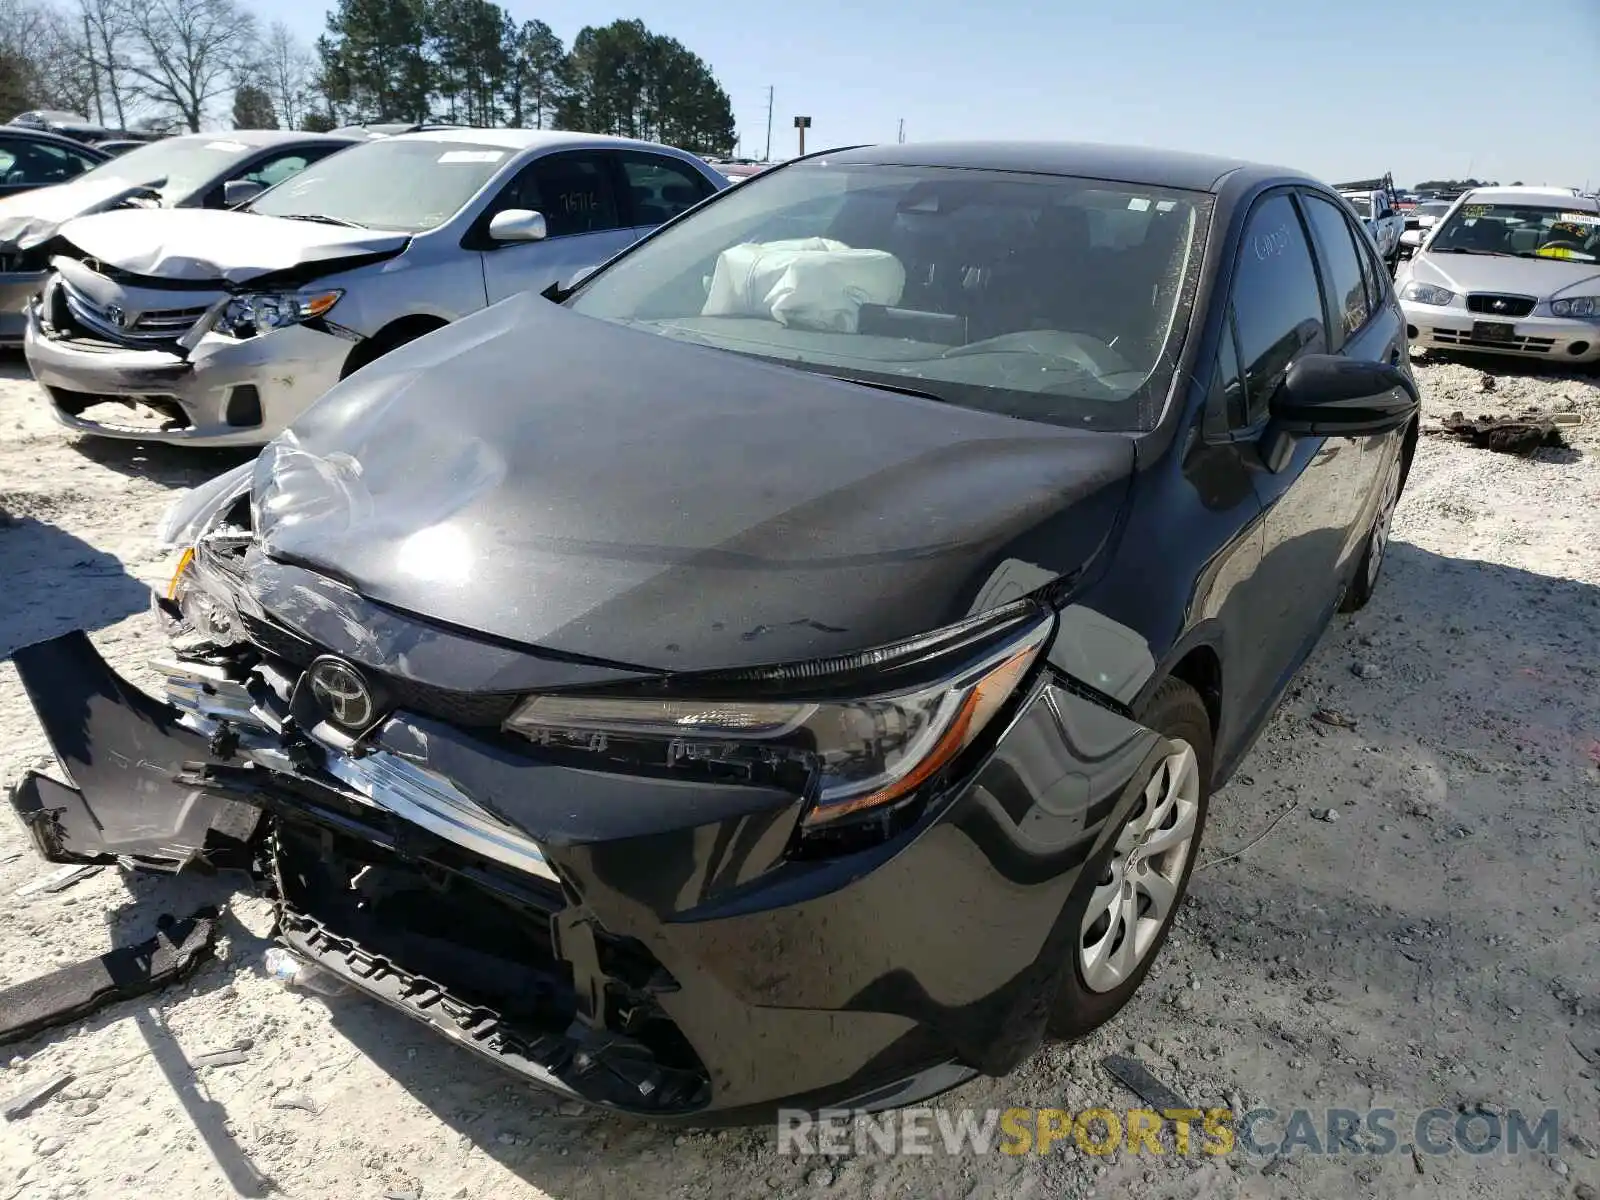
(1310, 501)
(1366, 325)
(586, 220)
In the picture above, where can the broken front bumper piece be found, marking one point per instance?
(652, 944)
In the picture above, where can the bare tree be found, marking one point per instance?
(286, 74)
(106, 27)
(42, 63)
(184, 54)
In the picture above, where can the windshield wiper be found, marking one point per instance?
(1465, 250)
(321, 219)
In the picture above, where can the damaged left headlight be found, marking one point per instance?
(252, 313)
(863, 753)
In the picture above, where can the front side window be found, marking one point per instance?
(401, 184)
(274, 171)
(1277, 303)
(1049, 298)
(1341, 267)
(1546, 230)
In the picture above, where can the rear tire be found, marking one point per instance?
(1365, 582)
(1092, 988)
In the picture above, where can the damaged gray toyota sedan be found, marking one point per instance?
(791, 667)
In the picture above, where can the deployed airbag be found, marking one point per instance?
(805, 283)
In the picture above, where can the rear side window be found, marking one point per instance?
(1341, 260)
(1277, 303)
(27, 163)
(660, 188)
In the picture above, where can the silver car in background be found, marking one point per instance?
(201, 170)
(1509, 270)
(221, 328)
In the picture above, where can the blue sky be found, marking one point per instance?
(1341, 89)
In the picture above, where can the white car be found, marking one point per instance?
(1418, 222)
(221, 327)
(1509, 270)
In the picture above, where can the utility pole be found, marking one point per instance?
(767, 157)
(94, 75)
(902, 131)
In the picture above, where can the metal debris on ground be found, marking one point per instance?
(1507, 433)
(1136, 1077)
(32, 1096)
(59, 880)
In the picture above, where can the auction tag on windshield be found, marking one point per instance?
(230, 147)
(1580, 218)
(1475, 210)
(472, 156)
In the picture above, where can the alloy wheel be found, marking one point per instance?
(1138, 888)
(1380, 527)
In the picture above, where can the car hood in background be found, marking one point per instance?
(209, 245)
(1542, 277)
(565, 483)
(32, 218)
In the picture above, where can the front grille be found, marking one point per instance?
(1463, 337)
(468, 709)
(1495, 305)
(157, 327)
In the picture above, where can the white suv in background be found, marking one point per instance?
(221, 327)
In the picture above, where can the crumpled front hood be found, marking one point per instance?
(565, 483)
(207, 245)
(1542, 277)
(29, 219)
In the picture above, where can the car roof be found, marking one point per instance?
(1126, 164)
(255, 138)
(527, 139)
(1510, 195)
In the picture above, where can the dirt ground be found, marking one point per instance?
(1435, 944)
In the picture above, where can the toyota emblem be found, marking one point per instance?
(342, 693)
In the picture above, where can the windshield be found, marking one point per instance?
(403, 184)
(1434, 209)
(186, 164)
(1044, 297)
(1522, 230)
(1362, 204)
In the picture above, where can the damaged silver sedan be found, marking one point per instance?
(219, 328)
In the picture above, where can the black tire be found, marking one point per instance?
(392, 338)
(1364, 583)
(1175, 711)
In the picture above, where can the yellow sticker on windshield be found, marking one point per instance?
(1475, 210)
(1554, 252)
(1573, 228)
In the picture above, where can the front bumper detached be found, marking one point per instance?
(650, 944)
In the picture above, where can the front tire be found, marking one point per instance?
(1129, 894)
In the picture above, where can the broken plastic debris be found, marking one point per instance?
(300, 975)
(25, 1101)
(57, 881)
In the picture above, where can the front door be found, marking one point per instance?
(575, 191)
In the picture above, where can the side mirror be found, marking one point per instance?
(518, 225)
(240, 191)
(1326, 395)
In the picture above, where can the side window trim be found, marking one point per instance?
(1332, 317)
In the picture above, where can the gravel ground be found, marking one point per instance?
(1435, 943)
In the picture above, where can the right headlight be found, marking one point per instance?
(862, 753)
(1426, 293)
(1576, 306)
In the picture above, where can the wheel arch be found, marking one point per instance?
(395, 333)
